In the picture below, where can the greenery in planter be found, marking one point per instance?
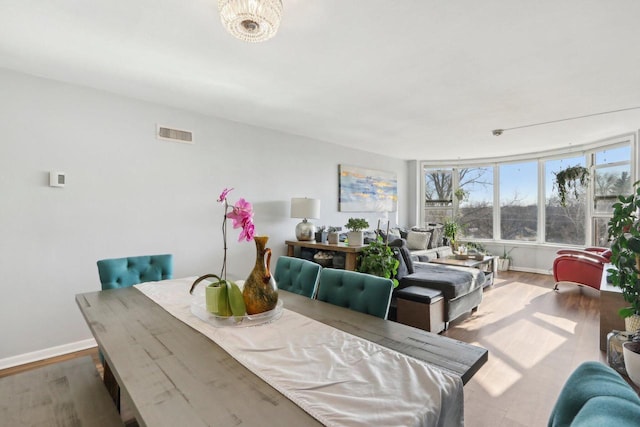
(357, 224)
(624, 229)
(567, 180)
(460, 194)
(378, 259)
(451, 228)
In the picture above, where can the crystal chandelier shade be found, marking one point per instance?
(251, 20)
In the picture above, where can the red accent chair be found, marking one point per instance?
(582, 267)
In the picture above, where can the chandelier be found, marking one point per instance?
(251, 20)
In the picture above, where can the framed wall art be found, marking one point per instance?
(367, 190)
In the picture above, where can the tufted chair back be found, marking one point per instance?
(297, 275)
(124, 272)
(358, 291)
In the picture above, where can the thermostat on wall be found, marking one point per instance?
(57, 179)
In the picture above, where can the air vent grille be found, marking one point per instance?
(176, 135)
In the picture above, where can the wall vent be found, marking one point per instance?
(175, 135)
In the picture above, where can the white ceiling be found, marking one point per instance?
(412, 79)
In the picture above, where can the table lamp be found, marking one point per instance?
(302, 207)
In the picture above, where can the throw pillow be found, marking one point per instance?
(406, 263)
(417, 240)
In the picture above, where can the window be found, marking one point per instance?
(519, 201)
(515, 198)
(475, 205)
(612, 177)
(564, 224)
(438, 194)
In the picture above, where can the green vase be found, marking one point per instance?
(260, 291)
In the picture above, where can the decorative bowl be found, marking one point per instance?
(199, 309)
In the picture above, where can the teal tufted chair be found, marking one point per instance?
(596, 396)
(358, 291)
(297, 275)
(124, 272)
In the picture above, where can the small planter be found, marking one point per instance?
(503, 264)
(321, 236)
(632, 323)
(333, 238)
(631, 353)
(356, 238)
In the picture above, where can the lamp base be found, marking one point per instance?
(305, 231)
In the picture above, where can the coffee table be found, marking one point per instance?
(487, 264)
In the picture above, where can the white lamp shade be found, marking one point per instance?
(302, 207)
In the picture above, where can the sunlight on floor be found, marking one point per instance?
(559, 322)
(507, 377)
(532, 343)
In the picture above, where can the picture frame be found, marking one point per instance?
(367, 190)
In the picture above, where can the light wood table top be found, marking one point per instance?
(174, 375)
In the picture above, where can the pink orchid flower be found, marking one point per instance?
(242, 212)
(248, 230)
(223, 195)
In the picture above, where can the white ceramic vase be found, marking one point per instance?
(631, 362)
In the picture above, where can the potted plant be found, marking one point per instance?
(356, 225)
(624, 230)
(460, 194)
(321, 234)
(504, 260)
(631, 356)
(451, 228)
(378, 259)
(568, 179)
(332, 235)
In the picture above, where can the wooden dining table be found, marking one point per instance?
(151, 355)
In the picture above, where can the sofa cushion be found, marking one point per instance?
(404, 256)
(437, 234)
(417, 240)
(452, 281)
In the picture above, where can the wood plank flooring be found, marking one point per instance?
(536, 337)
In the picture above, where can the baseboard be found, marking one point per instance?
(46, 353)
(528, 270)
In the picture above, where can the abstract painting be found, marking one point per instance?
(367, 190)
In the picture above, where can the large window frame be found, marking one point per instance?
(587, 150)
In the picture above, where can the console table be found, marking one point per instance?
(351, 252)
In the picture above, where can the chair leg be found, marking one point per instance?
(555, 288)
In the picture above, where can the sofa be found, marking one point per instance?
(424, 243)
(461, 287)
(596, 396)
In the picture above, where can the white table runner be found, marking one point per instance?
(338, 378)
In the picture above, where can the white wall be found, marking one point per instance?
(128, 193)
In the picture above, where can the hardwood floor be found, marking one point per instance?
(536, 337)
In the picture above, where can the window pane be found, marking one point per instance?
(611, 181)
(600, 233)
(519, 201)
(438, 195)
(564, 224)
(438, 189)
(476, 206)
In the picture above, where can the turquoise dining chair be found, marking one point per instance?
(297, 275)
(357, 291)
(124, 272)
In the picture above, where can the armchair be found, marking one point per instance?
(582, 267)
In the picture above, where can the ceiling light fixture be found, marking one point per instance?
(498, 132)
(251, 20)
